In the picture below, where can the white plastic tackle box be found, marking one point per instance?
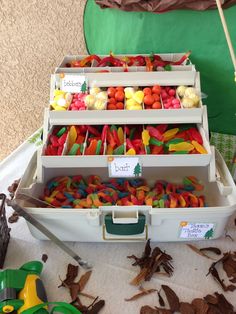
(134, 223)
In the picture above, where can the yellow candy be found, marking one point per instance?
(131, 151)
(199, 147)
(170, 134)
(72, 136)
(58, 92)
(136, 107)
(138, 96)
(59, 108)
(57, 97)
(120, 134)
(102, 96)
(145, 137)
(181, 146)
(131, 102)
(129, 92)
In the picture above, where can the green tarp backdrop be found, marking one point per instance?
(175, 31)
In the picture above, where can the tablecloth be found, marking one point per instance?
(112, 271)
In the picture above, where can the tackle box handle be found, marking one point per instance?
(125, 226)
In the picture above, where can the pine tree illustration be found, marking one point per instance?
(209, 234)
(137, 170)
(84, 87)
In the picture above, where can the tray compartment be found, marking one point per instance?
(162, 224)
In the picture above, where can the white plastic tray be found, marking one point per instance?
(96, 161)
(181, 115)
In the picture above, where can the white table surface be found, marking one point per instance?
(112, 271)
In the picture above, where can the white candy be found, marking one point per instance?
(181, 90)
(90, 101)
(94, 91)
(61, 102)
(100, 104)
(102, 96)
(187, 102)
(195, 99)
(189, 91)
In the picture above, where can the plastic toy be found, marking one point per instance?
(22, 290)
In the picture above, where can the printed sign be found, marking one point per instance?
(124, 167)
(73, 83)
(196, 230)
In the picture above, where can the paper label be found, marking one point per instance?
(73, 83)
(196, 230)
(124, 167)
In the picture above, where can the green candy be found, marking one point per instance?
(119, 150)
(161, 203)
(148, 150)
(61, 131)
(155, 142)
(131, 134)
(168, 67)
(98, 148)
(74, 149)
(185, 127)
(68, 184)
(174, 141)
(113, 127)
(181, 152)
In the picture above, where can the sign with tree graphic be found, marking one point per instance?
(137, 170)
(121, 167)
(73, 83)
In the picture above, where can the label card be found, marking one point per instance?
(124, 167)
(196, 230)
(73, 83)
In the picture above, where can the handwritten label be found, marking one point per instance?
(73, 83)
(124, 167)
(196, 230)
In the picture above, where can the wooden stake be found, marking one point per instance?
(227, 36)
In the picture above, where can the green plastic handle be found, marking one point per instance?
(61, 307)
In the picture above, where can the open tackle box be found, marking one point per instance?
(122, 222)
